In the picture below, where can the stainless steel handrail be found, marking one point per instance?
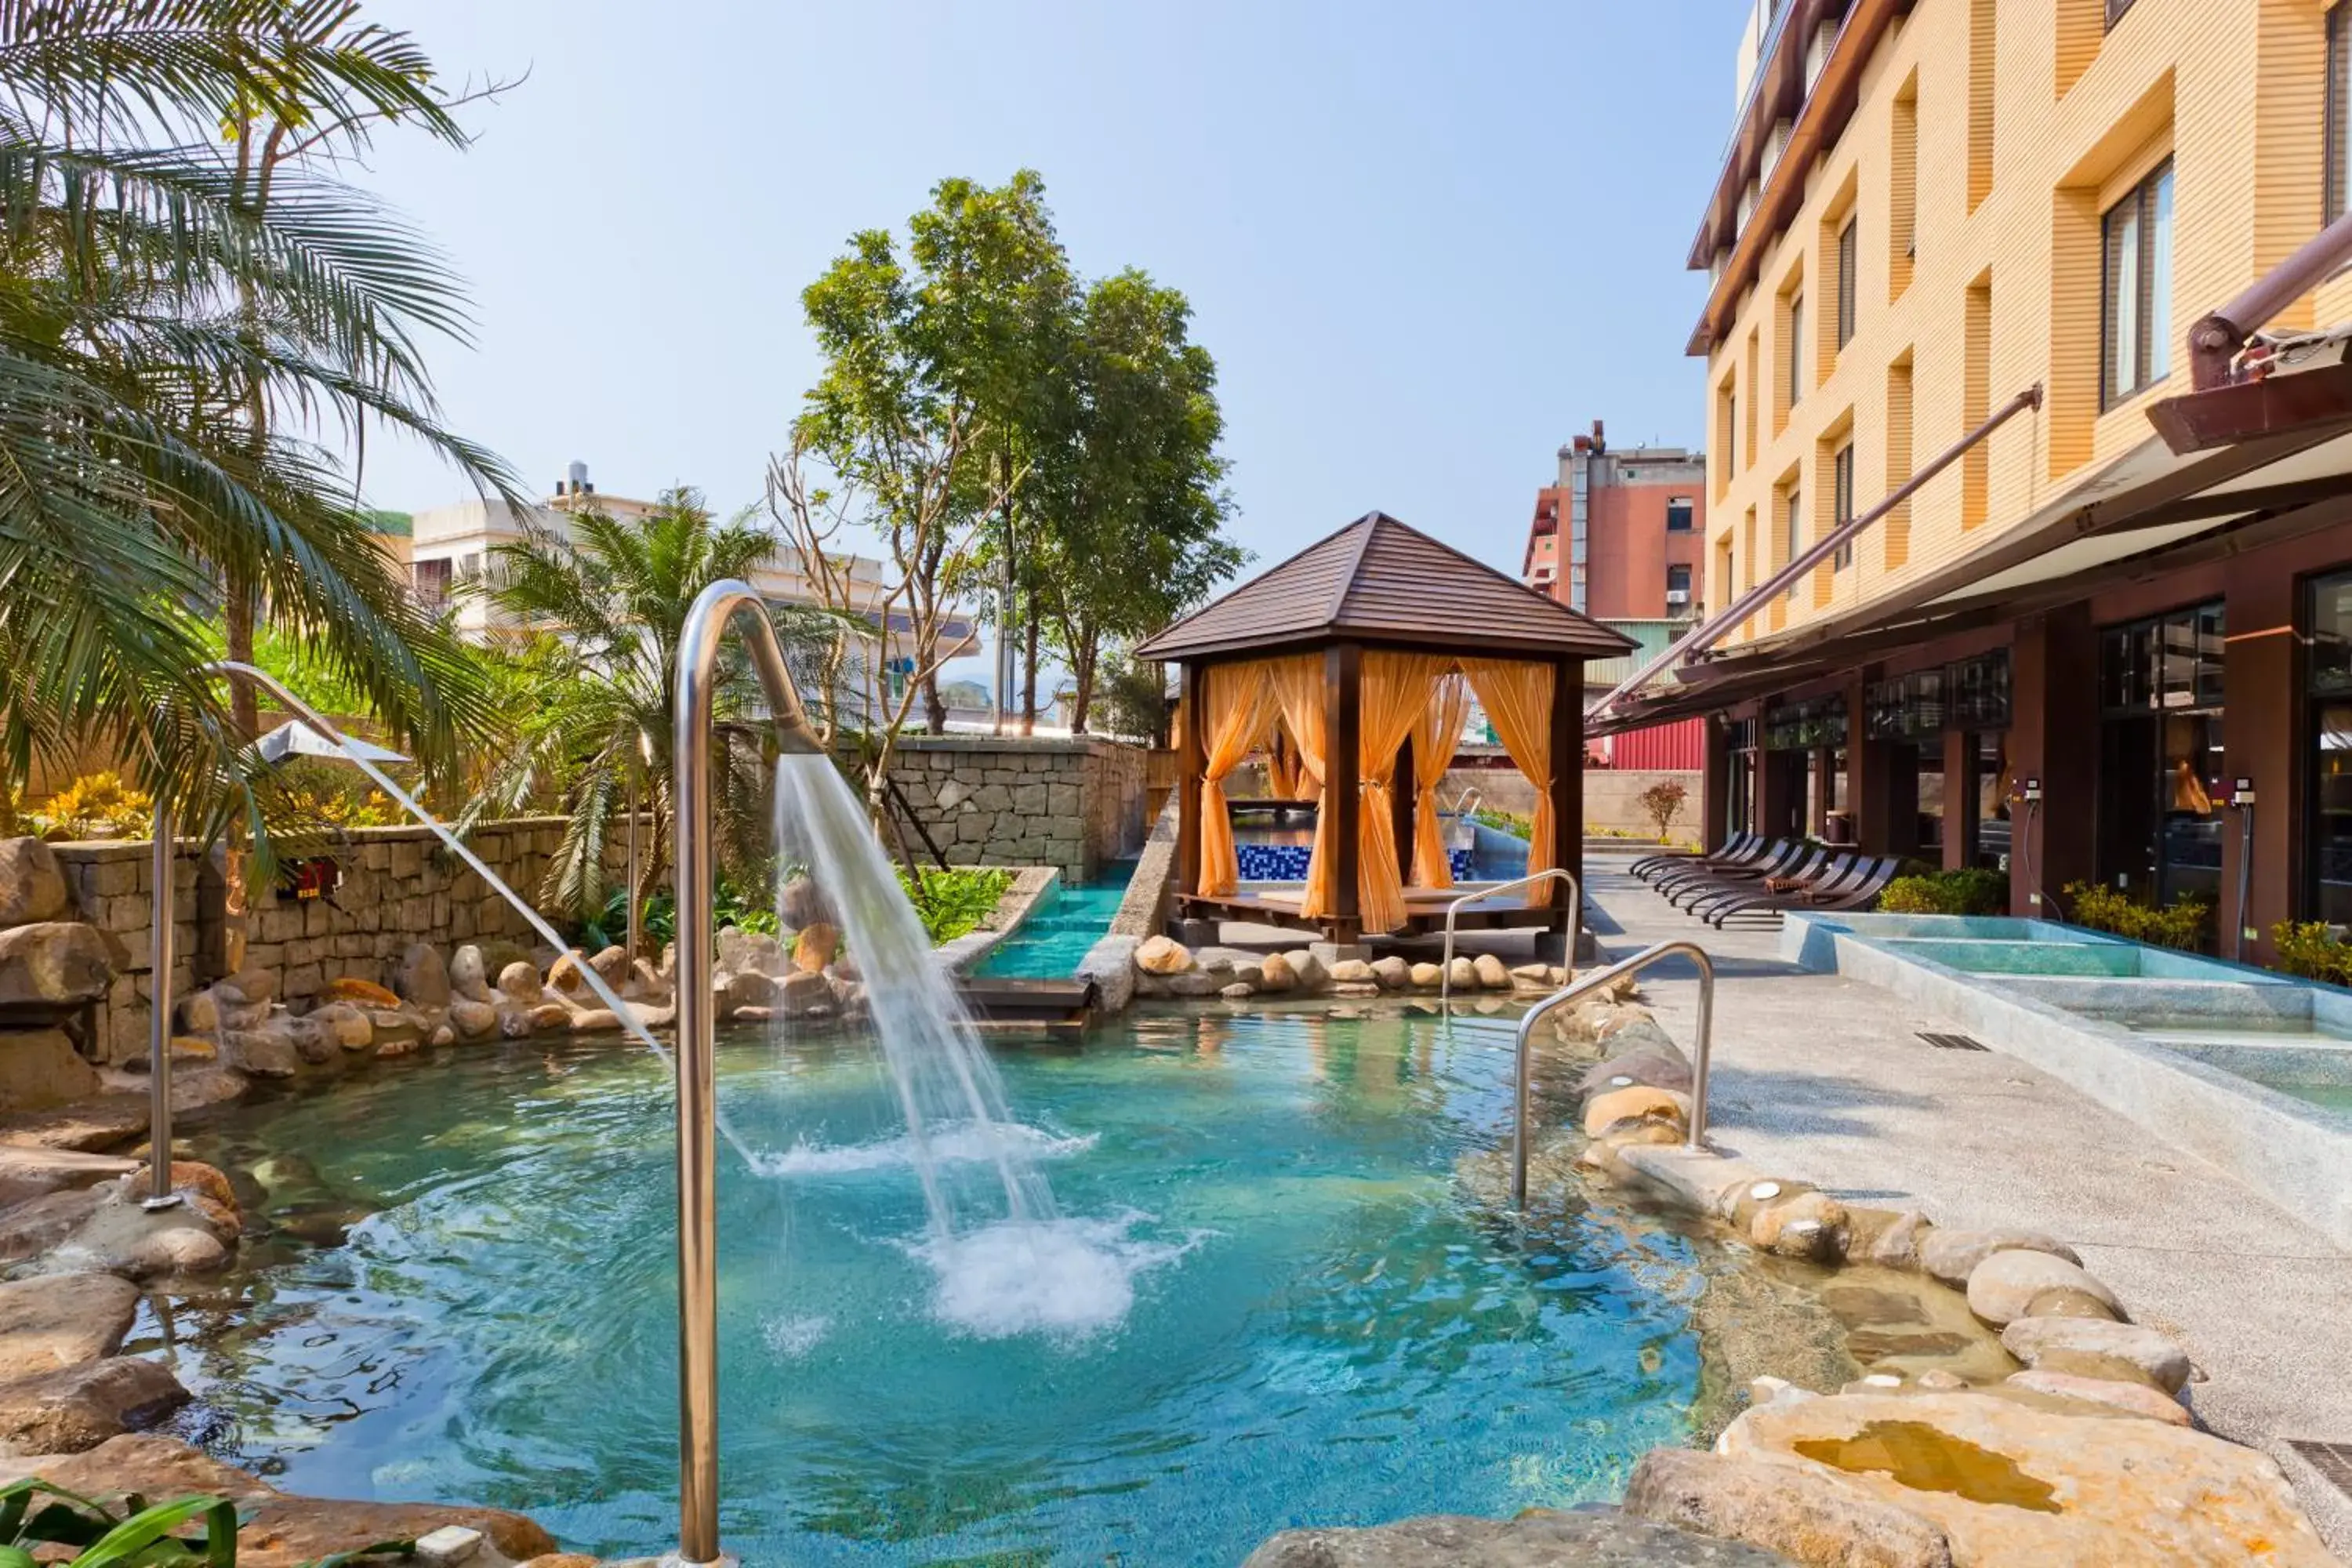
(1549, 874)
(1695, 1139)
(698, 1079)
(1469, 800)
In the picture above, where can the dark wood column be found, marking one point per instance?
(1191, 757)
(1714, 786)
(2265, 734)
(1343, 668)
(1568, 786)
(1869, 778)
(1780, 793)
(2053, 736)
(1404, 791)
(1960, 783)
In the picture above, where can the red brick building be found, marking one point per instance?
(1622, 535)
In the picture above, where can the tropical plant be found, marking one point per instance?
(191, 1532)
(1662, 803)
(94, 803)
(2181, 924)
(1971, 891)
(2312, 950)
(594, 689)
(197, 333)
(1132, 694)
(1511, 822)
(953, 900)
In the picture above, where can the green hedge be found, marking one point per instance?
(1972, 891)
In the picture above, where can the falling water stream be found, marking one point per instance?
(1006, 1260)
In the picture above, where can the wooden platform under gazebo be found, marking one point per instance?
(1356, 659)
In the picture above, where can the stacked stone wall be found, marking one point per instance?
(1075, 803)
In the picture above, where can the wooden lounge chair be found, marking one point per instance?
(1729, 850)
(1824, 868)
(1756, 856)
(1857, 890)
(1789, 857)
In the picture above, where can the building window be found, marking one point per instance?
(2327, 823)
(1677, 587)
(1849, 251)
(2136, 329)
(1679, 513)
(2158, 828)
(1796, 349)
(432, 578)
(2339, 99)
(1796, 539)
(1842, 502)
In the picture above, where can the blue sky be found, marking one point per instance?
(1427, 245)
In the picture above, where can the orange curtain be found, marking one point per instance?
(1297, 687)
(1393, 695)
(1233, 716)
(1435, 733)
(1516, 695)
(1281, 766)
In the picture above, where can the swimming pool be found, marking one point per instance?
(465, 1290)
(1061, 929)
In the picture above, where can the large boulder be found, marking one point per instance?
(2014, 1482)
(740, 949)
(32, 888)
(520, 982)
(39, 1069)
(1492, 972)
(1536, 1538)
(611, 966)
(1659, 1067)
(2129, 1397)
(815, 946)
(79, 1407)
(263, 1053)
(753, 988)
(61, 1321)
(804, 993)
(1274, 973)
(1312, 974)
(123, 1236)
(473, 1020)
(420, 976)
(279, 1532)
(55, 963)
(29, 1172)
(1808, 1516)
(469, 973)
(347, 1023)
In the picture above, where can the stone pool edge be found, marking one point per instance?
(2293, 1154)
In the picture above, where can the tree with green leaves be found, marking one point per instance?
(597, 614)
(148, 304)
(1130, 495)
(918, 432)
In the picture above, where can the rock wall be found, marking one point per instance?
(399, 887)
(1075, 803)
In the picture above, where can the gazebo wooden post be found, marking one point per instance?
(1190, 758)
(1568, 790)
(1404, 800)
(1343, 673)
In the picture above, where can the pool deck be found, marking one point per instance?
(1824, 1078)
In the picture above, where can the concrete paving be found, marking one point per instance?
(1825, 1079)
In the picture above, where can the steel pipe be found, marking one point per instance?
(163, 957)
(1702, 1049)
(1549, 874)
(696, 703)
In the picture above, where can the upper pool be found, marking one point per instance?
(1060, 930)
(465, 1290)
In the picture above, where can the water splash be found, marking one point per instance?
(1065, 1278)
(949, 1144)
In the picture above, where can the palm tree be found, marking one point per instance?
(185, 369)
(592, 679)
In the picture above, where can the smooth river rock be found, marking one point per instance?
(1492, 972)
(1809, 1517)
(1162, 955)
(1274, 973)
(1536, 1538)
(421, 978)
(61, 1321)
(2165, 1363)
(2132, 1398)
(1951, 1256)
(79, 1407)
(2002, 1289)
(2012, 1482)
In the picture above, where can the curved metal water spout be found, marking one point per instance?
(697, 1079)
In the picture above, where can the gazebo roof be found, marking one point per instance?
(1379, 581)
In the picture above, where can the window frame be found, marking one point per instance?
(1842, 501)
(1849, 286)
(1796, 516)
(2115, 9)
(1796, 386)
(2150, 347)
(1687, 507)
(2336, 164)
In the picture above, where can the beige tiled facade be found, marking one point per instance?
(1987, 140)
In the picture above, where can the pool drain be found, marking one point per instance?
(1952, 1042)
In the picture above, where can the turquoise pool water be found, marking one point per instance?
(465, 1285)
(1050, 943)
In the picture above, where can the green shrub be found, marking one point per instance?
(2181, 925)
(1972, 891)
(2309, 949)
(954, 902)
(191, 1532)
(1509, 822)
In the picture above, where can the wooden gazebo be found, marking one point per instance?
(1353, 661)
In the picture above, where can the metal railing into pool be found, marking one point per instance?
(1695, 1139)
(1549, 874)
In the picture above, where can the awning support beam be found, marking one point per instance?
(1747, 604)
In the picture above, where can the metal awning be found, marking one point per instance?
(295, 739)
